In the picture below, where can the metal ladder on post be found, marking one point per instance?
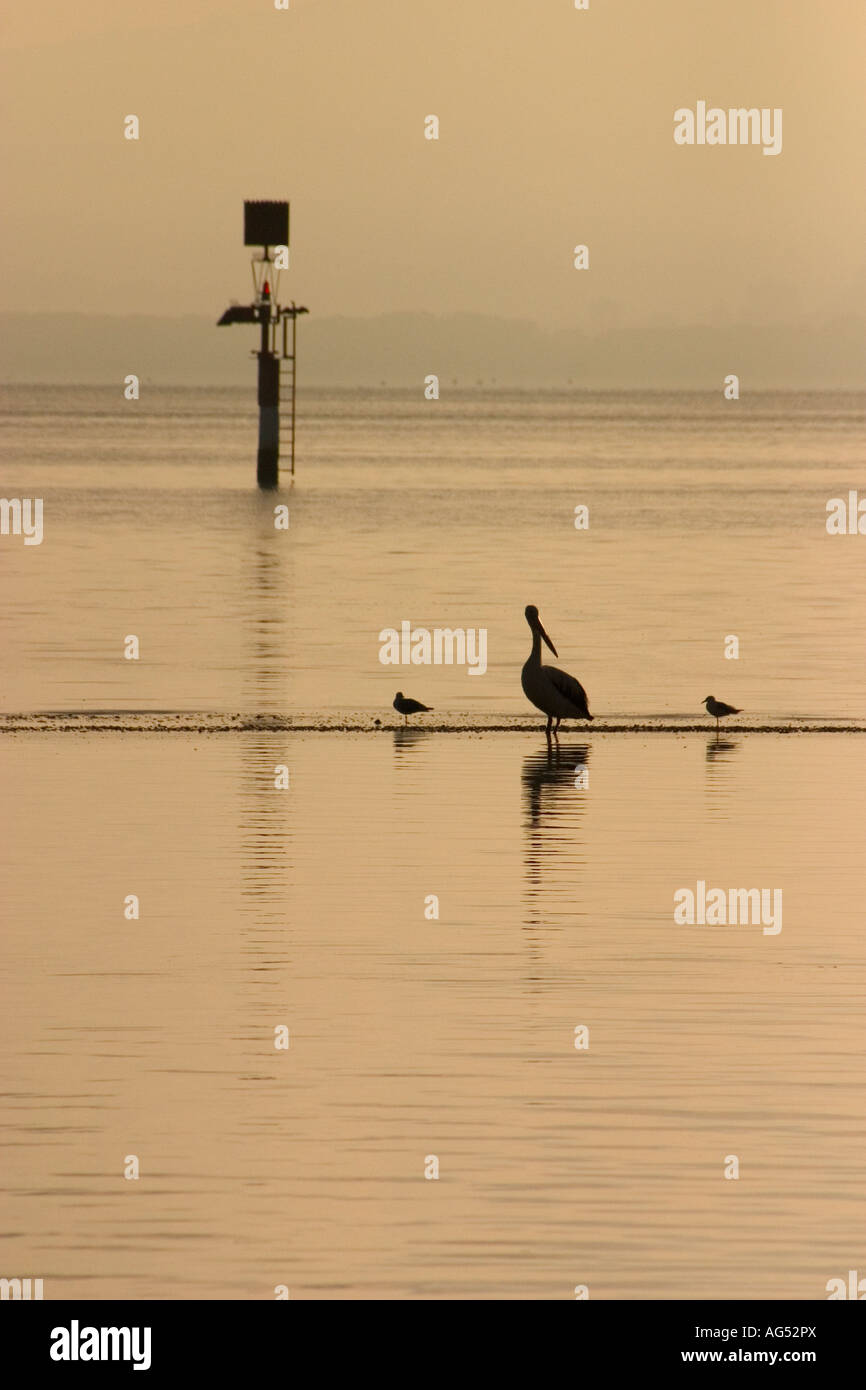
(287, 393)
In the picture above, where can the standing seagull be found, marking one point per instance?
(555, 692)
(718, 710)
(407, 707)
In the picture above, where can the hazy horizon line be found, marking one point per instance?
(497, 387)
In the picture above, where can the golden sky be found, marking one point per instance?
(556, 129)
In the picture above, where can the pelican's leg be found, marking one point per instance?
(549, 725)
(556, 728)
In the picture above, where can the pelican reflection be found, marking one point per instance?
(549, 778)
(555, 783)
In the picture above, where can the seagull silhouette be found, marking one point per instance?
(406, 707)
(718, 710)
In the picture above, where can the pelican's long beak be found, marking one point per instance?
(543, 634)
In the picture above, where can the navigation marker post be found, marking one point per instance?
(266, 225)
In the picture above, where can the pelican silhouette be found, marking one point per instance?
(555, 692)
(719, 710)
(403, 705)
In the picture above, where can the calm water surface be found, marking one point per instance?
(412, 1036)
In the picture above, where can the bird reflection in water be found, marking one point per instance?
(720, 749)
(406, 737)
(555, 784)
(550, 776)
(722, 787)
